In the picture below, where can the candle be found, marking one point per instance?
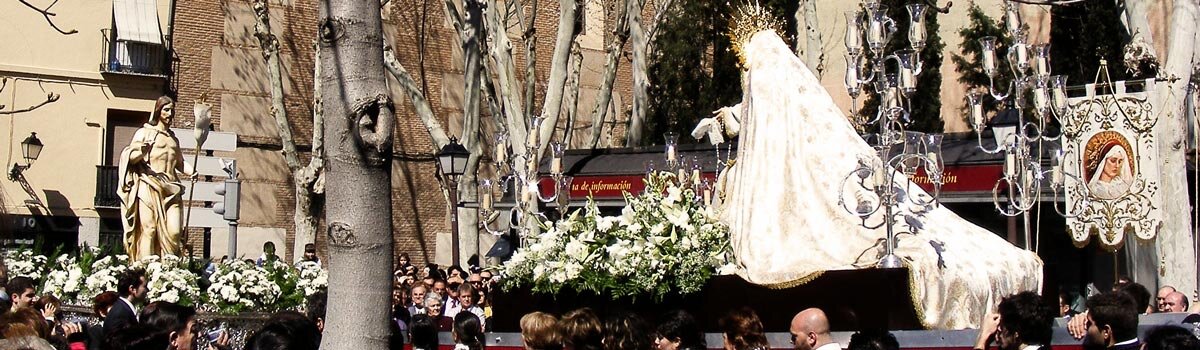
(851, 75)
(1060, 98)
(1039, 97)
(916, 34)
(1012, 17)
(907, 79)
(989, 61)
(1056, 175)
(875, 33)
(696, 176)
(1043, 65)
(977, 113)
(485, 201)
(933, 162)
(528, 194)
(1010, 164)
(1022, 53)
(670, 154)
(556, 165)
(707, 196)
(501, 154)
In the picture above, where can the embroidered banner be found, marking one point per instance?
(1110, 149)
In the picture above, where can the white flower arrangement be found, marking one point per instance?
(312, 278)
(23, 262)
(103, 275)
(65, 279)
(665, 240)
(240, 286)
(236, 286)
(168, 279)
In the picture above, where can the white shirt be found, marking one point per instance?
(1127, 342)
(1031, 347)
(830, 346)
(131, 308)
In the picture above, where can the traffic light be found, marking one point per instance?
(231, 192)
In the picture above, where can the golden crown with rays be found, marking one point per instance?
(749, 19)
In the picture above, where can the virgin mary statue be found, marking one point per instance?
(781, 200)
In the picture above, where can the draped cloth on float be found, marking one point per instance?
(787, 226)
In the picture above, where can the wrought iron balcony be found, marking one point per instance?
(107, 177)
(131, 57)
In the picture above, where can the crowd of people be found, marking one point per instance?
(129, 322)
(429, 301)
(440, 295)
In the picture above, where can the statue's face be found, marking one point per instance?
(1112, 166)
(168, 113)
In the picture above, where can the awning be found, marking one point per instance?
(137, 20)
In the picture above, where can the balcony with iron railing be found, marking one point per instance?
(107, 179)
(131, 57)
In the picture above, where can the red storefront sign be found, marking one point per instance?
(965, 178)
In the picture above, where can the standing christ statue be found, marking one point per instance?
(150, 189)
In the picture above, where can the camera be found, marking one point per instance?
(213, 335)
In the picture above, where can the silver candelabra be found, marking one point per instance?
(1032, 86)
(875, 173)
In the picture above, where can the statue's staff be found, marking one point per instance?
(200, 128)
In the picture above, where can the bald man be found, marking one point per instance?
(810, 330)
(1161, 298)
(1175, 302)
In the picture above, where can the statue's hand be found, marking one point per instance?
(729, 119)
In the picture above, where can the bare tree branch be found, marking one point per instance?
(436, 132)
(571, 95)
(567, 31)
(50, 98)
(502, 64)
(620, 35)
(47, 14)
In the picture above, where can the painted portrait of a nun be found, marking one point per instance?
(1109, 165)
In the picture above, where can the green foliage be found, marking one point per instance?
(926, 101)
(693, 71)
(968, 64)
(1084, 33)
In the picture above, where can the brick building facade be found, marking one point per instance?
(218, 56)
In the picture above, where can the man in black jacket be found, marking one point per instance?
(131, 287)
(1112, 320)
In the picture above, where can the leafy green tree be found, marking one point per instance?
(968, 64)
(925, 112)
(1084, 33)
(693, 70)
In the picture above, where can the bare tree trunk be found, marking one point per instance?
(359, 214)
(571, 100)
(568, 29)
(310, 180)
(637, 35)
(505, 69)
(620, 35)
(1174, 243)
(814, 56)
(304, 179)
(529, 36)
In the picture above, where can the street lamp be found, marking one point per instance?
(31, 148)
(452, 163)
